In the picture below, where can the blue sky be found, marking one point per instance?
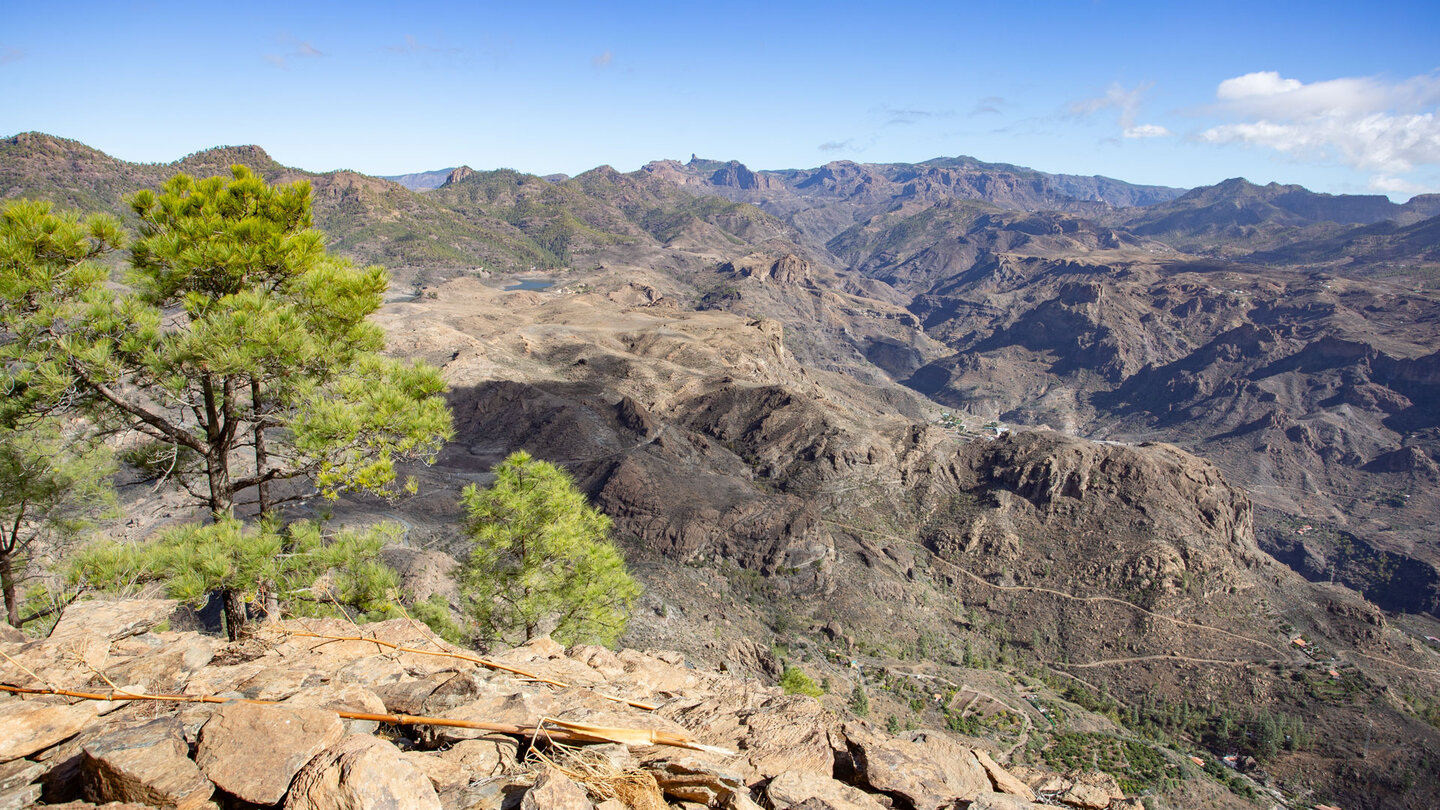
(1340, 97)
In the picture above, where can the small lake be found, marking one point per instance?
(532, 284)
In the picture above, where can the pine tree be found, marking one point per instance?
(859, 701)
(52, 486)
(542, 561)
(240, 347)
(311, 572)
(54, 475)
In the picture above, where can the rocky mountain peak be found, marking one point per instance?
(456, 175)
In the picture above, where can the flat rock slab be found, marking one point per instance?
(252, 752)
(30, 726)
(98, 618)
(361, 773)
(20, 772)
(20, 797)
(147, 764)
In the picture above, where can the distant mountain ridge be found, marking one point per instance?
(420, 181)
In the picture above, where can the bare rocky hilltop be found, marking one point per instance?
(1080, 472)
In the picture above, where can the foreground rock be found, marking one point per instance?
(286, 746)
(146, 764)
(361, 772)
(252, 752)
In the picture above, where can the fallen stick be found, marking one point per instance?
(548, 728)
(474, 659)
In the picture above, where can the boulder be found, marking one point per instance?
(1003, 780)
(146, 764)
(793, 788)
(1093, 791)
(361, 773)
(555, 791)
(28, 726)
(252, 752)
(408, 695)
(465, 761)
(423, 573)
(964, 776)
(691, 780)
(903, 769)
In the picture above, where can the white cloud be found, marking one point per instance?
(1385, 184)
(1264, 83)
(602, 61)
(1366, 123)
(1146, 131)
(1127, 105)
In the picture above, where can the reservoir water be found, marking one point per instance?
(533, 284)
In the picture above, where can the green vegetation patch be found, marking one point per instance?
(1139, 767)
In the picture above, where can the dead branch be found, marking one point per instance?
(547, 727)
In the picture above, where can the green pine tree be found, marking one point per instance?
(859, 701)
(312, 572)
(53, 484)
(542, 561)
(239, 344)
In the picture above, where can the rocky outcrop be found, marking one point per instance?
(1167, 515)
(289, 748)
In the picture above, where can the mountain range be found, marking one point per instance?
(1164, 456)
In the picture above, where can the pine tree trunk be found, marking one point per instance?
(7, 583)
(235, 618)
(262, 490)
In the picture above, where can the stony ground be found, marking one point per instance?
(290, 718)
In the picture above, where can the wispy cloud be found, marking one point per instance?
(8, 55)
(836, 146)
(895, 116)
(602, 61)
(990, 105)
(1126, 104)
(296, 49)
(1386, 127)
